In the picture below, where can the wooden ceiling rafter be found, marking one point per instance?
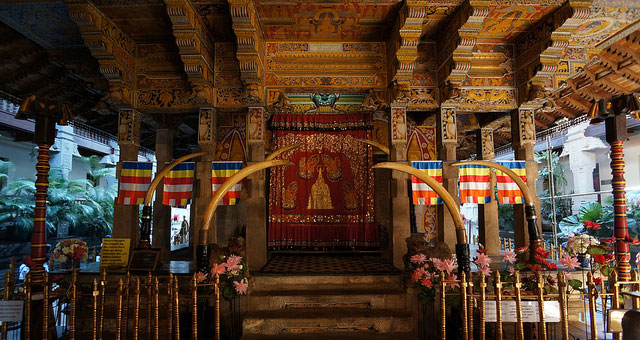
(114, 50)
(571, 15)
(195, 47)
(251, 50)
(403, 42)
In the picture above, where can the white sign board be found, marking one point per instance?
(529, 311)
(11, 310)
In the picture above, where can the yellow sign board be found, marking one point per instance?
(115, 252)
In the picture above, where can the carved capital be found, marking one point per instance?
(255, 125)
(129, 127)
(206, 126)
(398, 124)
(486, 144)
(447, 124)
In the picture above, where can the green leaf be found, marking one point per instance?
(606, 271)
(575, 284)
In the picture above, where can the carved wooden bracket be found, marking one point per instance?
(195, 47)
(114, 50)
(251, 49)
(405, 39)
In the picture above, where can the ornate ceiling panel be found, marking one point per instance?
(326, 20)
(505, 22)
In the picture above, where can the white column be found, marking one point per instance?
(582, 152)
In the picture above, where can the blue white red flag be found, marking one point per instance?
(178, 185)
(508, 190)
(135, 178)
(220, 172)
(475, 184)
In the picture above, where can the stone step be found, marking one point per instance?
(326, 320)
(325, 282)
(327, 298)
(333, 336)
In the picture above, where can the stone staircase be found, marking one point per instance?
(331, 307)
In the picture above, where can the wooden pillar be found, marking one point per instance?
(125, 217)
(162, 213)
(488, 228)
(523, 130)
(256, 219)
(399, 192)
(202, 185)
(616, 134)
(446, 142)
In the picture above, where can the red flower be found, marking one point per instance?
(551, 266)
(551, 281)
(591, 225)
(542, 252)
(602, 259)
(608, 240)
(78, 253)
(597, 280)
(426, 282)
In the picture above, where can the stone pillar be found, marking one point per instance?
(400, 223)
(63, 150)
(202, 184)
(125, 217)
(446, 142)
(523, 130)
(256, 202)
(488, 228)
(162, 213)
(582, 152)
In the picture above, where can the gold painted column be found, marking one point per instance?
(446, 142)
(256, 217)
(488, 228)
(125, 217)
(523, 130)
(399, 192)
(162, 213)
(207, 125)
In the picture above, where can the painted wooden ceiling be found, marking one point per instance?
(168, 57)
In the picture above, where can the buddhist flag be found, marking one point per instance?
(422, 193)
(135, 178)
(221, 171)
(508, 190)
(178, 185)
(475, 184)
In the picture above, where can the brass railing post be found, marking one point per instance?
(119, 310)
(635, 288)
(27, 309)
(443, 307)
(72, 314)
(217, 298)
(498, 291)
(125, 312)
(103, 288)
(176, 294)
(96, 292)
(562, 290)
(519, 325)
(483, 295)
(194, 311)
(615, 303)
(170, 314)
(463, 305)
(543, 326)
(470, 304)
(592, 306)
(136, 309)
(156, 307)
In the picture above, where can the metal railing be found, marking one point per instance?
(494, 308)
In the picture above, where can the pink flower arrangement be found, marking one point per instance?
(509, 257)
(569, 262)
(426, 274)
(418, 259)
(241, 286)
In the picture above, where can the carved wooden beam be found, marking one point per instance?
(456, 47)
(571, 14)
(403, 42)
(114, 50)
(251, 49)
(195, 47)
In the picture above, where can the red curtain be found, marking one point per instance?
(325, 198)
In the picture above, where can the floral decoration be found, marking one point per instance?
(426, 274)
(231, 271)
(72, 249)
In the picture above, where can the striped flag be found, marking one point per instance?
(135, 178)
(422, 193)
(220, 172)
(475, 185)
(508, 190)
(178, 185)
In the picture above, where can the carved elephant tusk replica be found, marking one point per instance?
(377, 145)
(147, 210)
(462, 247)
(535, 240)
(202, 251)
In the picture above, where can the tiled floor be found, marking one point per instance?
(327, 264)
